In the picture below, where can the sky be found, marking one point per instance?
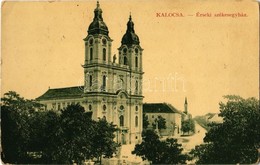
(194, 56)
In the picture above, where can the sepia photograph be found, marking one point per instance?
(143, 82)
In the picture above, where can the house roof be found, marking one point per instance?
(59, 93)
(159, 108)
(213, 115)
(210, 115)
(215, 118)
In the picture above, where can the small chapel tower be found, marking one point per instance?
(186, 106)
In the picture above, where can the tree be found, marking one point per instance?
(173, 152)
(188, 126)
(103, 140)
(16, 112)
(28, 131)
(9, 137)
(237, 137)
(145, 121)
(78, 137)
(159, 152)
(31, 135)
(74, 136)
(161, 123)
(50, 124)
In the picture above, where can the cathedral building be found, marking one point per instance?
(111, 90)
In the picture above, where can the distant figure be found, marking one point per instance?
(114, 58)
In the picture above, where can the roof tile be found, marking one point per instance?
(159, 108)
(58, 93)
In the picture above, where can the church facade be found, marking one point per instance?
(111, 90)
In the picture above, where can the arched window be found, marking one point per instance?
(104, 41)
(91, 41)
(136, 108)
(90, 80)
(125, 60)
(121, 120)
(104, 83)
(136, 121)
(136, 61)
(104, 118)
(104, 54)
(136, 86)
(121, 85)
(124, 50)
(91, 54)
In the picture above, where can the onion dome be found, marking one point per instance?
(98, 26)
(130, 37)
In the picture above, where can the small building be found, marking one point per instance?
(215, 118)
(167, 111)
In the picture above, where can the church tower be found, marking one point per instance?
(130, 52)
(113, 91)
(186, 106)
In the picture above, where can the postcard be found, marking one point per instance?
(180, 72)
